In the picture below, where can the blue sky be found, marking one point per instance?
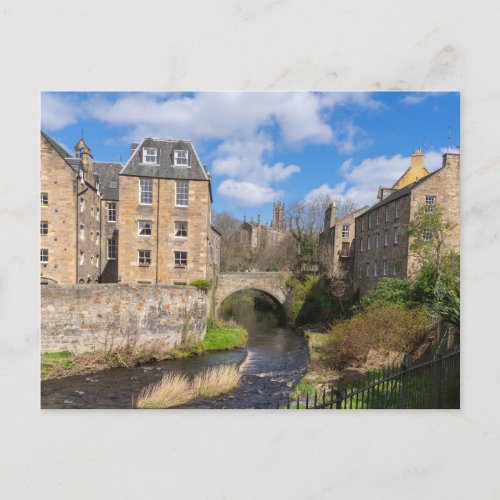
(264, 146)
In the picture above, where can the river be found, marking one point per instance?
(271, 365)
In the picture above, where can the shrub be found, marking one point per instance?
(201, 284)
(389, 291)
(389, 327)
(174, 389)
(217, 380)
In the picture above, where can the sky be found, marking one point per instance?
(267, 146)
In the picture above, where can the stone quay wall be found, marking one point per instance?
(81, 318)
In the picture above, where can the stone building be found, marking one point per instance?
(108, 173)
(70, 215)
(258, 236)
(164, 217)
(381, 244)
(336, 258)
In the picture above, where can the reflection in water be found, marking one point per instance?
(274, 362)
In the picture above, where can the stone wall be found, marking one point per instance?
(82, 318)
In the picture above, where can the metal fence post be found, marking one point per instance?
(438, 373)
(404, 382)
(340, 394)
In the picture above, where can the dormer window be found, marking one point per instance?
(150, 155)
(180, 158)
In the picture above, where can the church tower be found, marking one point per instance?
(278, 222)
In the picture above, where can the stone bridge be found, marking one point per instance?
(271, 283)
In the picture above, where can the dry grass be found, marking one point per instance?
(173, 389)
(217, 380)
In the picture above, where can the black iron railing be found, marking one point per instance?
(430, 384)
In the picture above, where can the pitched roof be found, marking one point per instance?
(164, 168)
(72, 162)
(108, 173)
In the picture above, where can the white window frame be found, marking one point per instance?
(180, 259)
(177, 157)
(345, 230)
(142, 226)
(430, 204)
(97, 214)
(111, 249)
(83, 204)
(144, 258)
(147, 154)
(44, 228)
(44, 199)
(375, 269)
(369, 242)
(377, 240)
(394, 270)
(387, 214)
(181, 227)
(178, 194)
(396, 214)
(82, 257)
(367, 269)
(44, 255)
(360, 271)
(146, 192)
(369, 220)
(362, 223)
(82, 232)
(384, 265)
(361, 245)
(386, 237)
(97, 260)
(111, 209)
(377, 216)
(396, 235)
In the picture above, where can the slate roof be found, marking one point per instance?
(165, 169)
(108, 173)
(401, 192)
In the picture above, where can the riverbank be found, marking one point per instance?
(220, 336)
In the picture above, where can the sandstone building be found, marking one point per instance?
(165, 215)
(154, 212)
(382, 247)
(258, 236)
(336, 257)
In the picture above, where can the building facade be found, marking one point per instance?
(70, 208)
(382, 247)
(164, 216)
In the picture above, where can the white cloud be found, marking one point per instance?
(246, 193)
(58, 111)
(361, 181)
(419, 97)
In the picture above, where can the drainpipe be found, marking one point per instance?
(157, 227)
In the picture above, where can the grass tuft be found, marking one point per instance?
(216, 381)
(174, 389)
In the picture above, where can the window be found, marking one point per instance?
(180, 259)
(345, 248)
(181, 193)
(180, 158)
(44, 228)
(44, 255)
(345, 231)
(82, 204)
(367, 270)
(369, 221)
(97, 214)
(427, 234)
(396, 235)
(369, 242)
(430, 204)
(375, 269)
(387, 214)
(386, 237)
(397, 209)
(97, 260)
(181, 229)
(149, 155)
(111, 212)
(384, 264)
(144, 258)
(44, 199)
(144, 227)
(82, 232)
(111, 249)
(377, 240)
(97, 238)
(360, 272)
(113, 185)
(145, 191)
(82, 258)
(394, 269)
(362, 224)
(378, 216)
(361, 245)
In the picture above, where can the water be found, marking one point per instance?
(273, 363)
